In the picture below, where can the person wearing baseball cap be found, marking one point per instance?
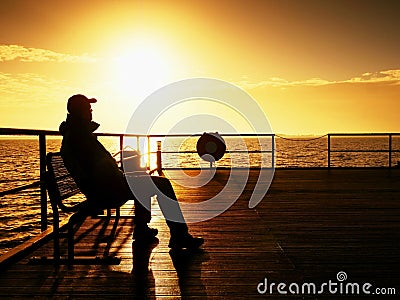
(98, 176)
(79, 103)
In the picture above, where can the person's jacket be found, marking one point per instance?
(93, 168)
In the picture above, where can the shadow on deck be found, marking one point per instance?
(311, 225)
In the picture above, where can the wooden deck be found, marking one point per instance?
(311, 225)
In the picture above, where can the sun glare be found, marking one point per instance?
(139, 70)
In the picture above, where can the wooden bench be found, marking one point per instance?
(61, 186)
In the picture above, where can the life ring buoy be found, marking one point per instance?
(211, 146)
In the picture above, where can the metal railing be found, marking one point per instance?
(42, 134)
(244, 135)
(389, 150)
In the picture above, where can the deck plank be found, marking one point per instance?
(311, 225)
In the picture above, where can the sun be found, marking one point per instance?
(139, 70)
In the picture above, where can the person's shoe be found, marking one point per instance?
(145, 233)
(187, 242)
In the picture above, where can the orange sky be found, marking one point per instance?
(313, 66)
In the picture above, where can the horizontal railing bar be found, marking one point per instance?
(17, 131)
(362, 151)
(119, 134)
(36, 131)
(19, 189)
(219, 168)
(196, 135)
(17, 180)
(365, 134)
(20, 131)
(227, 151)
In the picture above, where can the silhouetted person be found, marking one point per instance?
(98, 176)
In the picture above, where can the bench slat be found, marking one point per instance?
(60, 183)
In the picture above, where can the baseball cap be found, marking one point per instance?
(78, 103)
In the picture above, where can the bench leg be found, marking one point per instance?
(56, 245)
(56, 233)
(71, 253)
(117, 213)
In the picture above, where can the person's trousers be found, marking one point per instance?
(143, 188)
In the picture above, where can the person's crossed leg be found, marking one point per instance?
(142, 189)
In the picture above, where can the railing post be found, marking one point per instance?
(159, 159)
(43, 194)
(121, 147)
(390, 150)
(148, 152)
(329, 150)
(273, 150)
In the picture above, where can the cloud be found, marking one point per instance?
(388, 77)
(30, 87)
(23, 54)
